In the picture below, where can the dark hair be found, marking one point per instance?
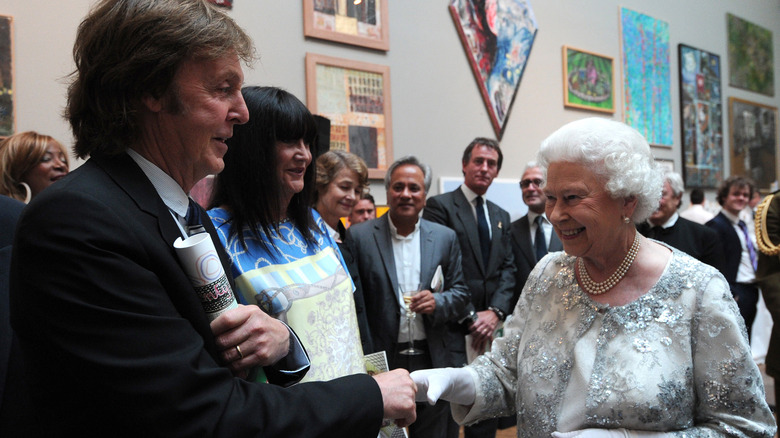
(734, 181)
(697, 196)
(128, 49)
(482, 141)
(367, 196)
(249, 185)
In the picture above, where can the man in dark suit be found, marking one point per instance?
(483, 233)
(525, 231)
(115, 340)
(18, 417)
(740, 254)
(401, 252)
(666, 225)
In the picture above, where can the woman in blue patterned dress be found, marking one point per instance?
(620, 335)
(281, 257)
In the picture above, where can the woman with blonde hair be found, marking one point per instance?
(30, 162)
(340, 180)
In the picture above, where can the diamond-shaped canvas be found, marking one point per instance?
(497, 37)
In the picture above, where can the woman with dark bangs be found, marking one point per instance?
(281, 257)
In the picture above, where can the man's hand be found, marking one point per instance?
(482, 330)
(247, 337)
(423, 302)
(398, 393)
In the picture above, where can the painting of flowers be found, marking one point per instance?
(497, 37)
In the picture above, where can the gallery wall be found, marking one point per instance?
(436, 105)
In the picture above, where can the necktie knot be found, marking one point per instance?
(193, 223)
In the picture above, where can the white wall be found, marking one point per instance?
(437, 108)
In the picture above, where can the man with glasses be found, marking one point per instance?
(532, 234)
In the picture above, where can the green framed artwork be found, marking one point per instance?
(751, 59)
(588, 80)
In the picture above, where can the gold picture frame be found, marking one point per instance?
(355, 97)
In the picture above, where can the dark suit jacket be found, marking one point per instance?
(18, 417)
(491, 285)
(525, 254)
(698, 241)
(116, 342)
(732, 247)
(371, 246)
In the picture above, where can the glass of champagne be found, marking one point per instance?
(410, 317)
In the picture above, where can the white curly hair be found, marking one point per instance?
(612, 150)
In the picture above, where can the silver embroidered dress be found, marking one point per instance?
(676, 359)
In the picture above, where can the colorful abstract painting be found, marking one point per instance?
(751, 60)
(647, 104)
(497, 37)
(6, 76)
(701, 113)
(753, 141)
(588, 80)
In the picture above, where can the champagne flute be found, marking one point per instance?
(410, 317)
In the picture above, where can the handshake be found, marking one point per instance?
(399, 392)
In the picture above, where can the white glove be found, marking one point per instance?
(452, 384)
(608, 433)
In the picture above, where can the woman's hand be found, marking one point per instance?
(247, 337)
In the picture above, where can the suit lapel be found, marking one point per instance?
(385, 247)
(496, 232)
(426, 255)
(522, 236)
(555, 243)
(469, 224)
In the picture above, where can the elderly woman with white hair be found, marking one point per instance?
(618, 335)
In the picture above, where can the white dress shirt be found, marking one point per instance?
(407, 256)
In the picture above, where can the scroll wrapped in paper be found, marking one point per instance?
(201, 262)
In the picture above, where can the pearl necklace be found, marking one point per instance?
(594, 288)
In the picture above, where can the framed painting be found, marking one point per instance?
(497, 41)
(588, 80)
(647, 104)
(751, 59)
(665, 164)
(7, 100)
(701, 114)
(753, 141)
(355, 97)
(360, 23)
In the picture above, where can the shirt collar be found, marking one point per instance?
(532, 217)
(669, 223)
(169, 190)
(733, 219)
(469, 194)
(394, 230)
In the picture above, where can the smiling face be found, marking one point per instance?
(585, 216)
(186, 135)
(52, 167)
(339, 196)
(481, 169)
(667, 206)
(533, 196)
(406, 194)
(292, 160)
(737, 199)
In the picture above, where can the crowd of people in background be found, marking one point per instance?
(603, 310)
